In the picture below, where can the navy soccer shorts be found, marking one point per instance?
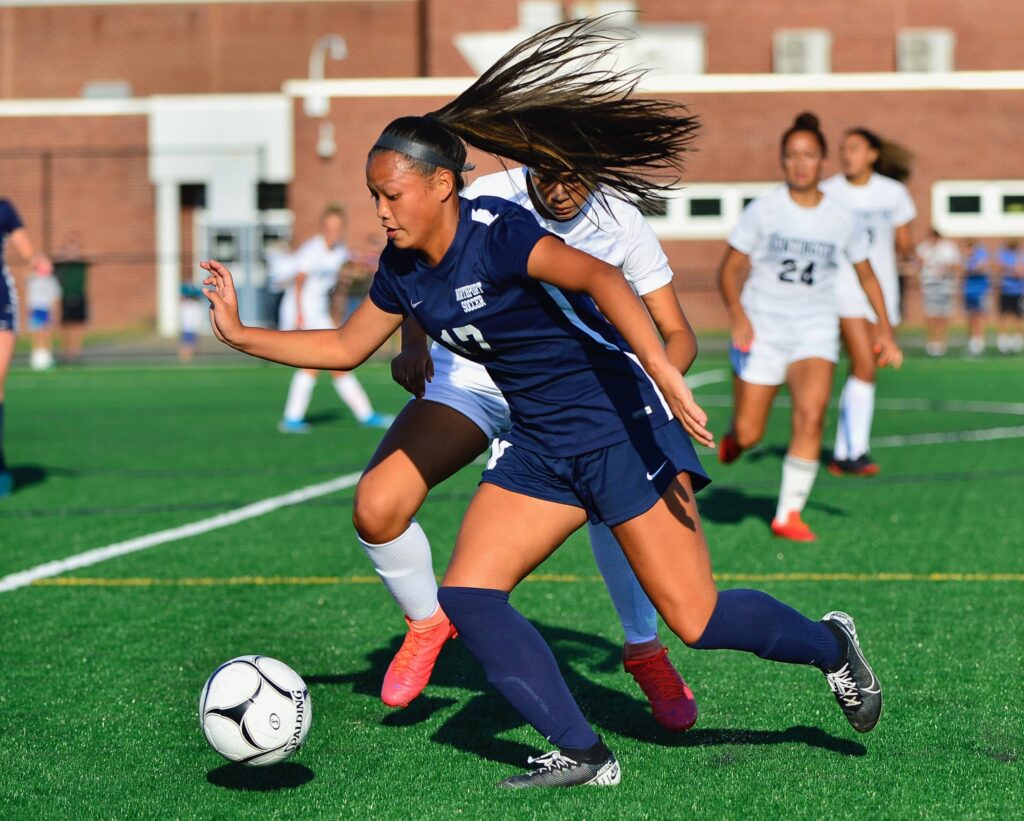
(612, 484)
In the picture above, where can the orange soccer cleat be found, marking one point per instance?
(672, 702)
(794, 528)
(412, 665)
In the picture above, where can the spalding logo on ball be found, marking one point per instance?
(255, 710)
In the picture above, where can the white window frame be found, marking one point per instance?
(992, 221)
(678, 224)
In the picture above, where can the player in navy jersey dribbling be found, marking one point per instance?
(459, 411)
(12, 231)
(573, 351)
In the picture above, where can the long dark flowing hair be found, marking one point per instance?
(894, 160)
(550, 105)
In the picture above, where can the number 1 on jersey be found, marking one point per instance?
(465, 333)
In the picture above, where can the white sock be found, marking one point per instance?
(353, 395)
(976, 344)
(1003, 343)
(798, 477)
(856, 413)
(404, 566)
(637, 614)
(299, 394)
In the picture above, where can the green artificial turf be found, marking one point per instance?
(100, 682)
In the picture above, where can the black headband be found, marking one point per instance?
(419, 151)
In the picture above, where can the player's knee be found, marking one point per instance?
(747, 434)
(377, 515)
(808, 421)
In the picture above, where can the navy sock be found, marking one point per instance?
(520, 665)
(3, 463)
(753, 621)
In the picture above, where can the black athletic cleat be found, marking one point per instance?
(555, 769)
(853, 682)
(863, 465)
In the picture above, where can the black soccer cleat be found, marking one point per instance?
(853, 682)
(555, 769)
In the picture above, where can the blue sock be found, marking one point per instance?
(637, 614)
(518, 663)
(3, 463)
(753, 621)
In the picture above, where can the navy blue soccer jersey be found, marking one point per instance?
(570, 381)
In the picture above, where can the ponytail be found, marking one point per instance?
(549, 105)
(894, 160)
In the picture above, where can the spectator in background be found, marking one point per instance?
(977, 266)
(192, 314)
(43, 294)
(11, 229)
(72, 270)
(940, 266)
(1010, 262)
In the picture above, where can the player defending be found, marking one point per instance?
(785, 328)
(871, 185)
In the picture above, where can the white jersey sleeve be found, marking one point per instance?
(858, 244)
(645, 265)
(747, 233)
(904, 210)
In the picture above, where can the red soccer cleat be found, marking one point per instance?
(728, 449)
(794, 528)
(672, 702)
(412, 665)
(863, 465)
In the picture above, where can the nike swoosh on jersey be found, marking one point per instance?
(417, 304)
(650, 476)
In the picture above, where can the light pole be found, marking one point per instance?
(316, 105)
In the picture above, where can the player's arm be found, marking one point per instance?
(23, 245)
(679, 338)
(905, 248)
(731, 274)
(556, 263)
(888, 351)
(413, 367)
(341, 349)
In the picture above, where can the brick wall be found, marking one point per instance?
(96, 190)
(52, 51)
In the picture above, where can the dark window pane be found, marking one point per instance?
(193, 195)
(965, 204)
(1013, 203)
(706, 207)
(271, 195)
(747, 201)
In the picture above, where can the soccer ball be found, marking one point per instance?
(255, 710)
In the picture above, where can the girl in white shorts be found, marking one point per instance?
(870, 185)
(307, 279)
(459, 410)
(785, 323)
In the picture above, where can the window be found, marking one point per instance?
(271, 195)
(704, 210)
(979, 208)
(964, 204)
(192, 195)
(705, 207)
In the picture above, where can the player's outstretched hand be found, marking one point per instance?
(227, 326)
(413, 370)
(742, 332)
(888, 351)
(685, 408)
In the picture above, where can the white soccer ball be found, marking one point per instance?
(255, 710)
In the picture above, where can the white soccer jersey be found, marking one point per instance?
(321, 265)
(795, 254)
(621, 238)
(881, 205)
(939, 259)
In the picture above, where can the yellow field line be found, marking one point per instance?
(313, 581)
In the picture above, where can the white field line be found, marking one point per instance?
(986, 435)
(101, 554)
(707, 378)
